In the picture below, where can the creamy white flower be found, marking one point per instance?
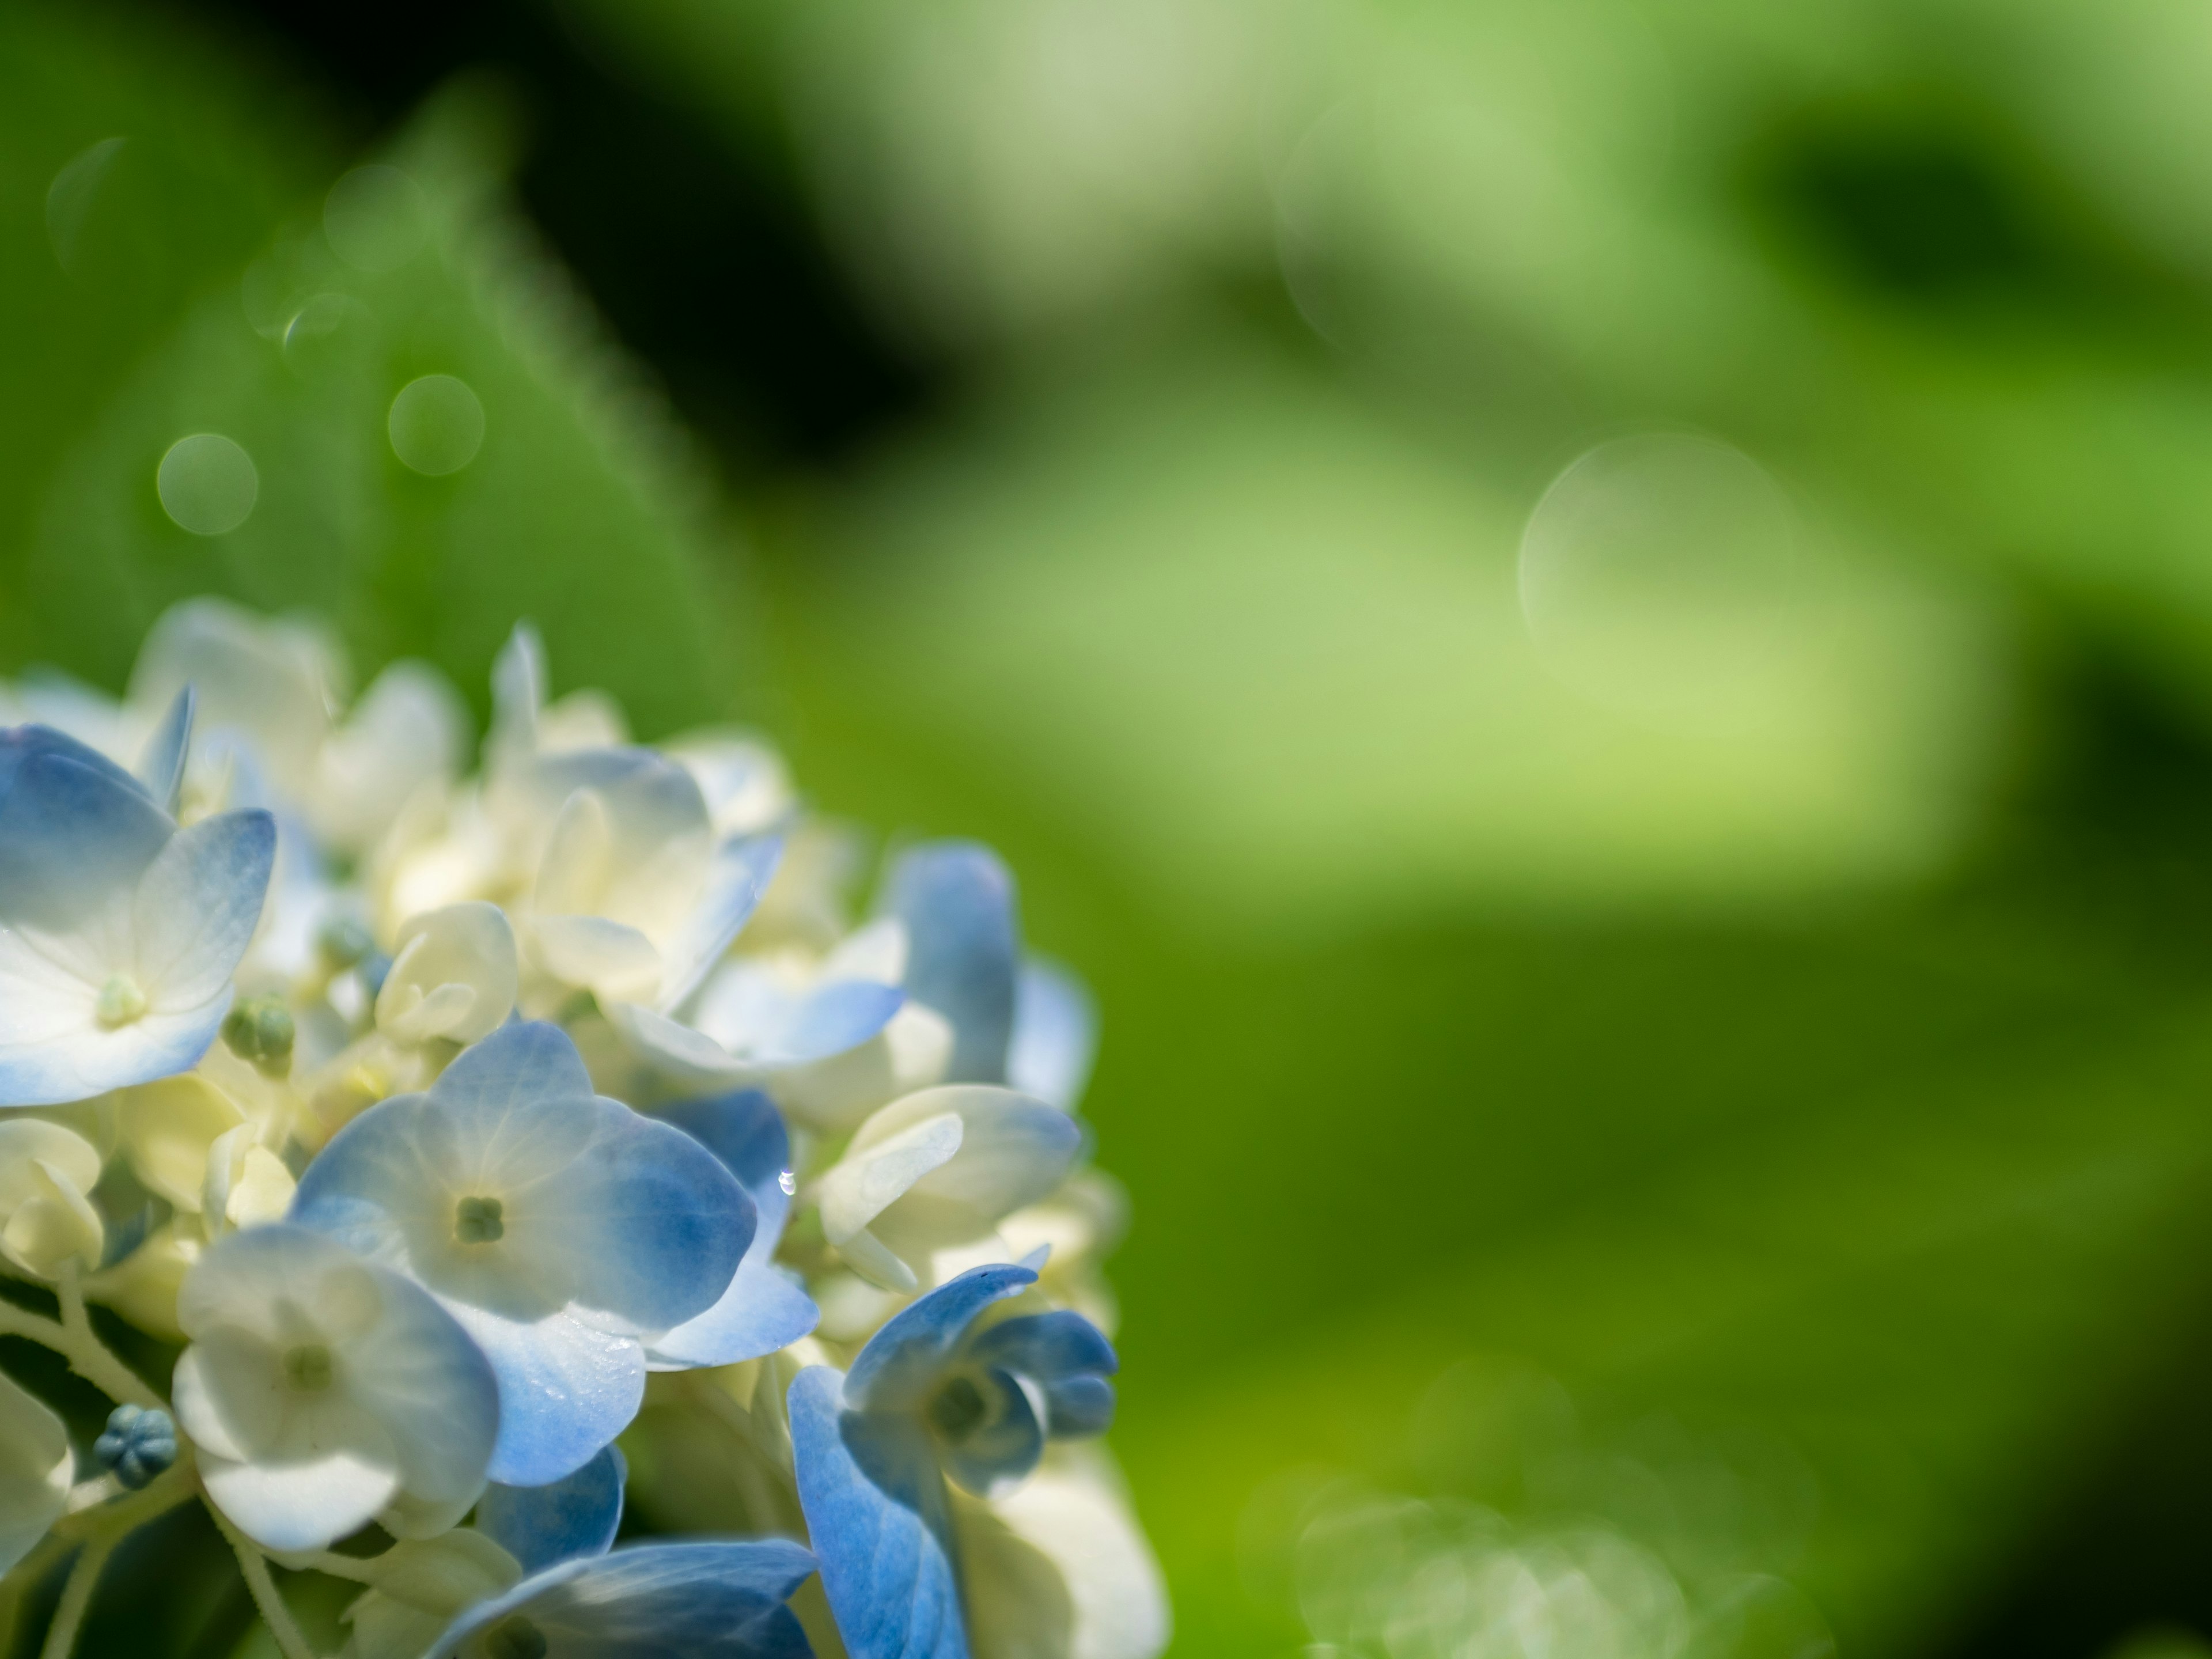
(454, 975)
(322, 1389)
(938, 1171)
(46, 1176)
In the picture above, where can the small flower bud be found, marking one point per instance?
(138, 1444)
(260, 1029)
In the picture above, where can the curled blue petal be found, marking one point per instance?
(1002, 1440)
(1046, 1346)
(956, 900)
(571, 1518)
(714, 1598)
(834, 1019)
(1075, 1407)
(875, 1510)
(913, 1344)
(21, 743)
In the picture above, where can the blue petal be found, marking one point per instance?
(1003, 1449)
(571, 1518)
(834, 1020)
(912, 1348)
(161, 766)
(956, 900)
(746, 1131)
(875, 1510)
(1078, 1406)
(20, 743)
(565, 1392)
(1047, 1346)
(1056, 1035)
(740, 873)
(72, 838)
(720, 1599)
(761, 1310)
(521, 1063)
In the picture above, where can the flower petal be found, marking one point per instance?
(198, 906)
(565, 1390)
(1046, 1346)
(714, 1598)
(998, 1452)
(35, 1465)
(914, 1344)
(761, 1310)
(875, 1510)
(1056, 1035)
(739, 874)
(955, 900)
(161, 770)
(573, 1516)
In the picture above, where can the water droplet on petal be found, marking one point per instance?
(207, 483)
(788, 1182)
(437, 424)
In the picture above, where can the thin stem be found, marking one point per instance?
(361, 1569)
(291, 1642)
(88, 1355)
(76, 1595)
(119, 1515)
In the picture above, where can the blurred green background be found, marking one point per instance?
(1592, 619)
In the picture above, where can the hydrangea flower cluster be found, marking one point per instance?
(448, 1123)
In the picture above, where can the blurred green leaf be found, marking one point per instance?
(1272, 651)
(413, 316)
(105, 244)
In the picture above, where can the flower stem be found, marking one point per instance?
(88, 1355)
(360, 1569)
(76, 1595)
(291, 1642)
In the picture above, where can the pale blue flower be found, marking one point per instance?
(562, 1229)
(934, 1393)
(118, 932)
(574, 1517)
(322, 1391)
(763, 1309)
(702, 1599)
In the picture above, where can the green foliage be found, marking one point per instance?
(293, 337)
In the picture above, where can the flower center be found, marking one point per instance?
(479, 1221)
(514, 1637)
(957, 1408)
(307, 1367)
(120, 1002)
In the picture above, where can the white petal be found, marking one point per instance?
(878, 1169)
(35, 1465)
(198, 906)
(303, 1505)
(455, 976)
(1059, 1569)
(608, 957)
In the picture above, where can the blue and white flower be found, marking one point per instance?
(936, 1393)
(323, 1391)
(118, 932)
(563, 1230)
